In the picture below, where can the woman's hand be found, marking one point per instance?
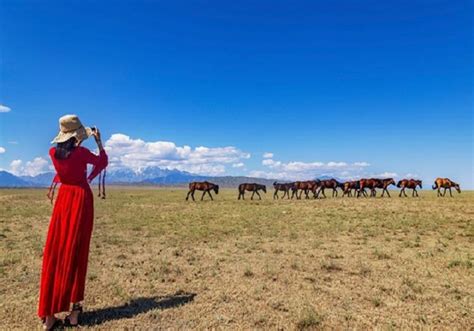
(96, 134)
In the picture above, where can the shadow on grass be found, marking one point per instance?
(135, 307)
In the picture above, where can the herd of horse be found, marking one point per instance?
(317, 188)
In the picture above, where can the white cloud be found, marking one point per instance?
(410, 175)
(31, 168)
(296, 170)
(269, 175)
(361, 164)
(385, 174)
(270, 163)
(4, 109)
(13, 142)
(136, 154)
(238, 165)
(2, 150)
(268, 155)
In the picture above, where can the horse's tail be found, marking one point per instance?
(435, 186)
(274, 183)
(399, 184)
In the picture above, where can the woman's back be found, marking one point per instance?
(73, 169)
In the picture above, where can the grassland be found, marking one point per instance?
(160, 262)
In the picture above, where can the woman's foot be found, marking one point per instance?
(73, 318)
(51, 323)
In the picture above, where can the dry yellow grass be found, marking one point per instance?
(160, 262)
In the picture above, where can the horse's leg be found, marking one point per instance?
(202, 197)
(388, 193)
(192, 194)
(450, 193)
(251, 198)
(259, 197)
(209, 192)
(444, 193)
(187, 196)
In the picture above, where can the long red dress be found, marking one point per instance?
(66, 251)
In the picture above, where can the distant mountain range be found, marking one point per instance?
(148, 176)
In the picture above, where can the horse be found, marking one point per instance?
(316, 188)
(294, 190)
(374, 183)
(306, 187)
(330, 184)
(285, 187)
(411, 184)
(202, 186)
(445, 183)
(347, 188)
(252, 187)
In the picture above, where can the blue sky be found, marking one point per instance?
(345, 88)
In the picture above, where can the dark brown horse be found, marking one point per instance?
(252, 187)
(202, 186)
(411, 184)
(329, 184)
(374, 183)
(445, 183)
(285, 187)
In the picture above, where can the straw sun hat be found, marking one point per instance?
(71, 126)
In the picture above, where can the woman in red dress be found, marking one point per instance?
(66, 251)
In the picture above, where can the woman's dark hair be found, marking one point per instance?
(64, 149)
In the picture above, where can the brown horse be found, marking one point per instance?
(329, 184)
(306, 187)
(353, 185)
(285, 187)
(411, 184)
(445, 183)
(202, 186)
(252, 187)
(374, 183)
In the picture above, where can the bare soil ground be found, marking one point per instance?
(160, 262)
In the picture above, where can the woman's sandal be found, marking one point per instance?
(56, 325)
(67, 322)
